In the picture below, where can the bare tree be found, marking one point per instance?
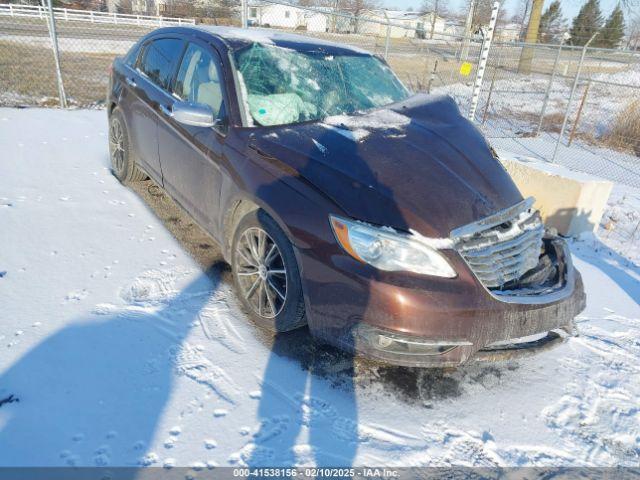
(357, 8)
(633, 37)
(521, 17)
(482, 13)
(435, 8)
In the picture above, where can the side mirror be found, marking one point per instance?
(194, 114)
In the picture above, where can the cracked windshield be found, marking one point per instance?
(285, 86)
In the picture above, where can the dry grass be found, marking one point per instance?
(30, 72)
(625, 131)
(27, 71)
(415, 71)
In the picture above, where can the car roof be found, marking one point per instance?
(236, 38)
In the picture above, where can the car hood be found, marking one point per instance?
(416, 165)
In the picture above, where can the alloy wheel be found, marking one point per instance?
(116, 144)
(261, 272)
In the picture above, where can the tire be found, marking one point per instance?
(258, 277)
(123, 164)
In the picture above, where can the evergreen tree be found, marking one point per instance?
(552, 24)
(612, 33)
(587, 23)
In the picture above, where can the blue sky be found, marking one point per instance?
(569, 7)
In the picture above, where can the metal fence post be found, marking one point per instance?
(432, 77)
(388, 36)
(548, 92)
(56, 55)
(486, 107)
(574, 128)
(484, 56)
(244, 12)
(573, 91)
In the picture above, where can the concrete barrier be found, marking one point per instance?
(571, 202)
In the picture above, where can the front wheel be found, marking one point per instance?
(266, 274)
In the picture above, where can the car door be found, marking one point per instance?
(190, 155)
(149, 83)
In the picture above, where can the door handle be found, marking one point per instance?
(165, 110)
(131, 82)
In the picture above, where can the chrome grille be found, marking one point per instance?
(502, 247)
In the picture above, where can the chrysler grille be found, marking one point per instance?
(502, 247)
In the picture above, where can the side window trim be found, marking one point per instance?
(176, 68)
(144, 49)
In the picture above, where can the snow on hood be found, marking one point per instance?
(357, 127)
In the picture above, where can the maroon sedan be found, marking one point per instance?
(380, 219)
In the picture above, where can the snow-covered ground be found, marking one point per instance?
(517, 96)
(116, 349)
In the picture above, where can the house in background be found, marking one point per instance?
(162, 8)
(509, 32)
(403, 24)
(287, 16)
(148, 7)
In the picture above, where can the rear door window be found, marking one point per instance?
(160, 59)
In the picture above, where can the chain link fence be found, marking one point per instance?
(86, 42)
(578, 107)
(574, 106)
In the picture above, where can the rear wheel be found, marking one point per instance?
(123, 164)
(266, 274)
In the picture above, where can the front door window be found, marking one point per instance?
(198, 81)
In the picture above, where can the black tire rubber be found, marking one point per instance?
(130, 172)
(292, 315)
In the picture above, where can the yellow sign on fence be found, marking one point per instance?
(465, 69)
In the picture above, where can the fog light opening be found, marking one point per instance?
(404, 344)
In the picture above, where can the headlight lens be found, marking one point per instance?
(386, 249)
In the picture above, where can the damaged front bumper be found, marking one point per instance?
(446, 327)
(501, 330)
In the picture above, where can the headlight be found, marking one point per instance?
(386, 249)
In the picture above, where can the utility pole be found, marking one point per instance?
(526, 57)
